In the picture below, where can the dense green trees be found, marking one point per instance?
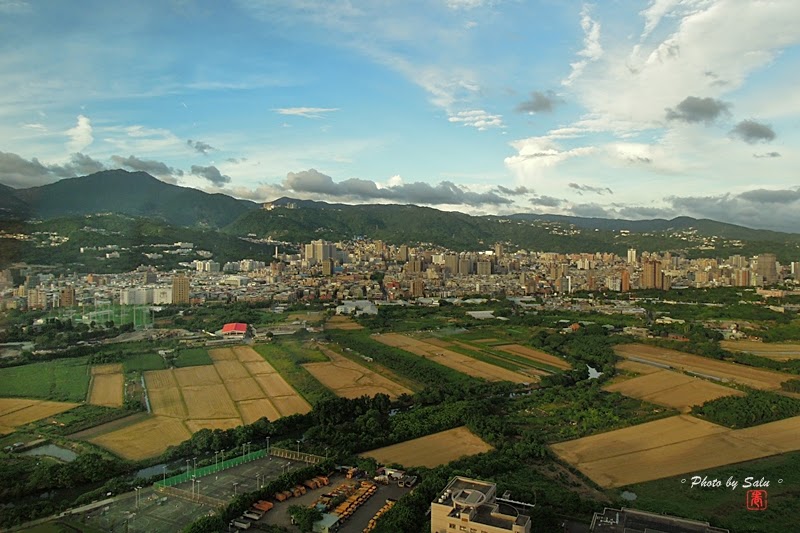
(757, 407)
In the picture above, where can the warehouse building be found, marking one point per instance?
(633, 521)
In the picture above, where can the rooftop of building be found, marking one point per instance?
(633, 521)
(465, 494)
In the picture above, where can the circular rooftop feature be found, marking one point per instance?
(469, 497)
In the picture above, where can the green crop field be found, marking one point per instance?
(287, 356)
(193, 357)
(65, 380)
(143, 361)
(724, 507)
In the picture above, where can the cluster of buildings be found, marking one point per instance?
(371, 270)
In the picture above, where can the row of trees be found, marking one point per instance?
(757, 407)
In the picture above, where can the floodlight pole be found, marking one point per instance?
(267, 446)
(198, 489)
(165, 475)
(234, 487)
(195, 466)
(187, 469)
(216, 467)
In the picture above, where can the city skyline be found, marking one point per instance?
(615, 110)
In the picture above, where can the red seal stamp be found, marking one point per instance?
(756, 500)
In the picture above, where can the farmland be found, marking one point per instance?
(107, 385)
(672, 389)
(15, 412)
(349, 379)
(673, 446)
(342, 322)
(144, 439)
(64, 380)
(770, 350)
(239, 388)
(289, 357)
(454, 360)
(535, 355)
(752, 377)
(432, 450)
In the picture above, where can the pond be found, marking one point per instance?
(51, 450)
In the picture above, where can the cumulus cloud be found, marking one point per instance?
(307, 112)
(200, 146)
(776, 209)
(644, 212)
(445, 193)
(154, 168)
(513, 192)
(751, 131)
(694, 109)
(539, 102)
(546, 201)
(212, 174)
(81, 135)
(477, 118)
(19, 172)
(588, 188)
(767, 155)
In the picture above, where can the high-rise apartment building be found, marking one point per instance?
(484, 268)
(631, 256)
(767, 269)
(402, 253)
(652, 275)
(417, 288)
(451, 263)
(67, 297)
(180, 289)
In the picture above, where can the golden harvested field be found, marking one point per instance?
(770, 350)
(291, 405)
(18, 411)
(167, 402)
(744, 375)
(246, 354)
(209, 401)
(348, 379)
(222, 354)
(672, 389)
(253, 410)
(258, 368)
(231, 370)
(244, 389)
(144, 439)
(274, 385)
(456, 361)
(113, 368)
(438, 342)
(535, 355)
(672, 446)
(160, 379)
(432, 450)
(107, 389)
(193, 376)
(342, 322)
(5, 430)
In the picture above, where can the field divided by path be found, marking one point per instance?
(535, 355)
(672, 389)
(778, 351)
(672, 446)
(432, 450)
(349, 379)
(457, 361)
(239, 388)
(756, 378)
(342, 322)
(15, 412)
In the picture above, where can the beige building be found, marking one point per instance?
(471, 506)
(180, 289)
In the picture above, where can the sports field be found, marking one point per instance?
(752, 377)
(239, 388)
(456, 361)
(342, 322)
(671, 446)
(348, 379)
(15, 412)
(778, 351)
(672, 389)
(535, 355)
(432, 450)
(107, 385)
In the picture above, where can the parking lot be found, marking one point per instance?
(164, 512)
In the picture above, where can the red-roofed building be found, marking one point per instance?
(235, 329)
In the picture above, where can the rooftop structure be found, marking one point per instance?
(633, 521)
(471, 505)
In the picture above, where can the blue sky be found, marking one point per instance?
(619, 108)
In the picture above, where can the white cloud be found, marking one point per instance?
(536, 155)
(592, 49)
(477, 118)
(465, 4)
(307, 112)
(81, 135)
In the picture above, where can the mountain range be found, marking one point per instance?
(139, 194)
